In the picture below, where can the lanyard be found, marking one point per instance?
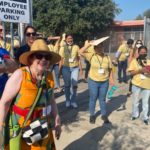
(69, 51)
(99, 61)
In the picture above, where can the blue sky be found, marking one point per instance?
(131, 8)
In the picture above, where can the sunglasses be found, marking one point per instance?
(29, 34)
(40, 56)
(1, 30)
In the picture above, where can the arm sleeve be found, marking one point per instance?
(132, 66)
(88, 56)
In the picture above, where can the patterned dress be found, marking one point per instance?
(24, 101)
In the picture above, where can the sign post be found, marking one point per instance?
(16, 11)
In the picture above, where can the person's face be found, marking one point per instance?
(69, 40)
(30, 36)
(99, 49)
(1, 32)
(130, 45)
(142, 54)
(41, 61)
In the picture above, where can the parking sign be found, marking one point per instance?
(15, 11)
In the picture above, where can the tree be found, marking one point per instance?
(139, 17)
(146, 13)
(84, 18)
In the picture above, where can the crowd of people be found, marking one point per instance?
(31, 70)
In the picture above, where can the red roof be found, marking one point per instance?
(129, 23)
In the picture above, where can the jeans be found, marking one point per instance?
(122, 67)
(56, 74)
(70, 76)
(87, 68)
(3, 80)
(144, 94)
(97, 90)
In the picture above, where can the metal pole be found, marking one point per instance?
(12, 39)
(110, 46)
(31, 11)
(145, 26)
(21, 32)
(4, 34)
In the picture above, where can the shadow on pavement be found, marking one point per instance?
(89, 141)
(71, 114)
(117, 103)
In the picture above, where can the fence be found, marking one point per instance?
(115, 39)
(147, 34)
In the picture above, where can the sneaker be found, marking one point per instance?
(134, 118)
(105, 119)
(67, 104)
(74, 105)
(129, 94)
(146, 122)
(59, 90)
(120, 81)
(85, 80)
(92, 119)
(125, 82)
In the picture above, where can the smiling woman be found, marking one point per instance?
(27, 81)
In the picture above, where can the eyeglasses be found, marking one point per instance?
(139, 43)
(29, 34)
(1, 30)
(40, 56)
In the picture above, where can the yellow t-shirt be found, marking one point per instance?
(100, 66)
(51, 47)
(57, 47)
(124, 52)
(8, 46)
(70, 55)
(141, 80)
(16, 43)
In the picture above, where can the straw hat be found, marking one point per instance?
(39, 45)
(98, 41)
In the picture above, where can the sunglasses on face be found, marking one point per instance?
(40, 56)
(31, 34)
(1, 30)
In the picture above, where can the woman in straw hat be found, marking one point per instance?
(100, 75)
(25, 86)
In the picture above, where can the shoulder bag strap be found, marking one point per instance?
(43, 83)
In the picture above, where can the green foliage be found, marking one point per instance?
(146, 13)
(139, 17)
(84, 18)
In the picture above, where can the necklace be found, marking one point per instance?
(33, 80)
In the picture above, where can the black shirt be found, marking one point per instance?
(21, 50)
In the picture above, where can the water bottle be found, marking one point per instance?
(111, 92)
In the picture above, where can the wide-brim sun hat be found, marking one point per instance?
(99, 41)
(39, 46)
